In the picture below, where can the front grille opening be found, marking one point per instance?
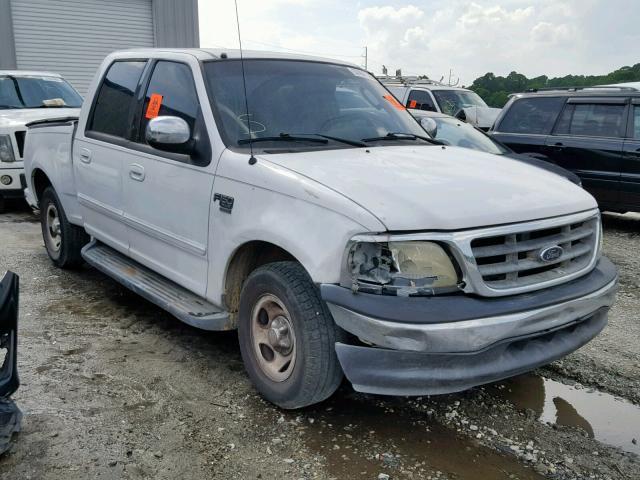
(20, 141)
(489, 260)
(515, 260)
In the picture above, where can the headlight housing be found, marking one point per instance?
(6, 149)
(403, 268)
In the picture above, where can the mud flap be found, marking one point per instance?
(10, 415)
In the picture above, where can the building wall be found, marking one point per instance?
(72, 37)
(176, 23)
(7, 50)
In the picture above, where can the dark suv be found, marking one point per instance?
(594, 132)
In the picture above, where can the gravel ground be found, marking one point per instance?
(113, 387)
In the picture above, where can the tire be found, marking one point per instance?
(62, 240)
(284, 290)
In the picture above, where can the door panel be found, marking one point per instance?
(167, 196)
(597, 161)
(98, 154)
(167, 213)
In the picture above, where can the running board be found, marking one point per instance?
(177, 300)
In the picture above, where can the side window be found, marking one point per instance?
(115, 99)
(592, 119)
(420, 100)
(174, 93)
(636, 121)
(531, 115)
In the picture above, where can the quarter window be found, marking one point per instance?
(115, 99)
(592, 119)
(421, 100)
(531, 115)
(173, 87)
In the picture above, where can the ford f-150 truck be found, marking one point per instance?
(336, 236)
(24, 97)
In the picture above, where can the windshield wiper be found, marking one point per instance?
(283, 137)
(401, 136)
(353, 143)
(9, 106)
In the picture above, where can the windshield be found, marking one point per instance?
(460, 134)
(36, 92)
(452, 101)
(305, 105)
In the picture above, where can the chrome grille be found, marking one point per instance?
(513, 260)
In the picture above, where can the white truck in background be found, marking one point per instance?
(317, 217)
(25, 97)
(432, 96)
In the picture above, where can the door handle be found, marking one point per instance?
(85, 155)
(136, 172)
(558, 146)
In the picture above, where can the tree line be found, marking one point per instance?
(495, 90)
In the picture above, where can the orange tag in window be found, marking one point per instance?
(413, 104)
(392, 100)
(153, 109)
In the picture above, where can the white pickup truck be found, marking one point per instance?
(316, 216)
(27, 96)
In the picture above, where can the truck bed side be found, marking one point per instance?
(48, 160)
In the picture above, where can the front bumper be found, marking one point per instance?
(445, 344)
(15, 189)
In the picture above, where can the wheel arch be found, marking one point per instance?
(244, 260)
(40, 182)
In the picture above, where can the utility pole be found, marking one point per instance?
(365, 58)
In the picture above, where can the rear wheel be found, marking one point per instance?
(62, 240)
(287, 336)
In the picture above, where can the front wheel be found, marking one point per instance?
(62, 240)
(287, 337)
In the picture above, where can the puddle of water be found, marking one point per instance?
(361, 429)
(603, 416)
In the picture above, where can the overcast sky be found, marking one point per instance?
(533, 37)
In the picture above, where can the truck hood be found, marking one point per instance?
(439, 188)
(16, 118)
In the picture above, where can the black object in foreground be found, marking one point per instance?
(10, 415)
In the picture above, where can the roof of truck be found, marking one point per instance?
(231, 53)
(29, 73)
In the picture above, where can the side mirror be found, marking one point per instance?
(171, 134)
(430, 126)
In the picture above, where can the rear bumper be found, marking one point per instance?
(450, 349)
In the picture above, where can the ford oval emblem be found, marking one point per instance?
(550, 254)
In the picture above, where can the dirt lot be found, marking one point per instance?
(113, 387)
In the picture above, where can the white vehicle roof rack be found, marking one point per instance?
(408, 80)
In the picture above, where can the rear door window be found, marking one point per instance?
(531, 115)
(115, 100)
(592, 120)
(636, 121)
(420, 100)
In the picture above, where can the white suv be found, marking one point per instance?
(317, 217)
(432, 96)
(27, 97)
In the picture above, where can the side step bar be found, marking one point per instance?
(180, 302)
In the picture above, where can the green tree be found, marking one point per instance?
(495, 90)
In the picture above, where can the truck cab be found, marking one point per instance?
(25, 97)
(296, 200)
